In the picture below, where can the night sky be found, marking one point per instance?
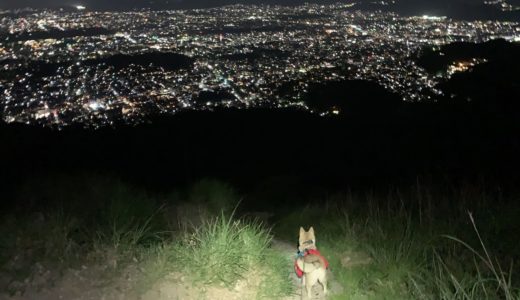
(460, 9)
(125, 4)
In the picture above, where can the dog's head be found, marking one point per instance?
(307, 240)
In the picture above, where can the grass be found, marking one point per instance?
(419, 243)
(225, 250)
(222, 249)
(115, 226)
(490, 280)
(392, 247)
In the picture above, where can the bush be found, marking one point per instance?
(213, 195)
(222, 250)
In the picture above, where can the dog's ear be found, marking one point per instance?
(302, 231)
(311, 230)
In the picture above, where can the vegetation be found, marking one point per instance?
(415, 243)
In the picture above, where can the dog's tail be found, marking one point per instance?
(310, 263)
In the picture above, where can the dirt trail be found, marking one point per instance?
(84, 283)
(89, 283)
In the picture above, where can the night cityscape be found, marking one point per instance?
(95, 68)
(259, 149)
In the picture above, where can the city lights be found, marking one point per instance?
(242, 55)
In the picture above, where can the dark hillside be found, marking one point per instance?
(250, 146)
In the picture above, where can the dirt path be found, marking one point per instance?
(88, 283)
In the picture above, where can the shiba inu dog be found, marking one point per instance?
(310, 264)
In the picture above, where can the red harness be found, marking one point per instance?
(297, 269)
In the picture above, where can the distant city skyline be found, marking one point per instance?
(95, 69)
(505, 10)
(123, 4)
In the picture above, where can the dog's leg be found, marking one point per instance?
(323, 281)
(308, 287)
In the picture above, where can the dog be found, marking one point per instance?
(310, 265)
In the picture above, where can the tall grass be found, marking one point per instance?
(128, 226)
(489, 280)
(54, 225)
(414, 245)
(124, 241)
(222, 250)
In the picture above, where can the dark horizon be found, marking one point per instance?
(458, 9)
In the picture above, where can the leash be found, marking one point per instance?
(299, 255)
(303, 279)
